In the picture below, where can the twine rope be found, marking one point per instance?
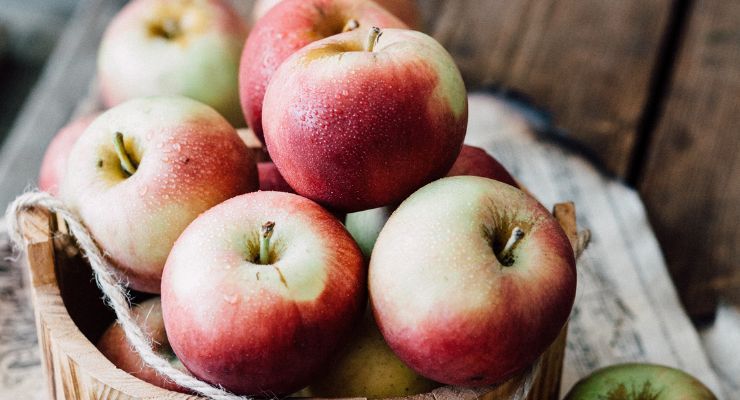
(116, 294)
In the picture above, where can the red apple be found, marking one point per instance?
(55, 159)
(143, 170)
(116, 348)
(406, 10)
(289, 26)
(475, 161)
(270, 178)
(174, 47)
(358, 121)
(279, 284)
(471, 280)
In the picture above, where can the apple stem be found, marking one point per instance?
(351, 25)
(127, 164)
(265, 235)
(372, 38)
(516, 235)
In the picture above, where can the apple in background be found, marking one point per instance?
(406, 10)
(368, 368)
(144, 170)
(640, 381)
(174, 47)
(288, 27)
(362, 119)
(471, 280)
(116, 348)
(270, 178)
(280, 284)
(365, 226)
(54, 163)
(474, 161)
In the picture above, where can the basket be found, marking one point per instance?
(70, 317)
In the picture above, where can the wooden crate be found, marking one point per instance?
(70, 317)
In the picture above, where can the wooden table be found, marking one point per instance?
(648, 89)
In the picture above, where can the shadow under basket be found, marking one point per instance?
(71, 316)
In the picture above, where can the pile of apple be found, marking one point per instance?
(466, 279)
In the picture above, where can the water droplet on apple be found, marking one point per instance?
(231, 299)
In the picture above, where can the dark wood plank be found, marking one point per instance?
(589, 62)
(691, 183)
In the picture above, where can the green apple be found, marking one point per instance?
(365, 226)
(639, 382)
(369, 368)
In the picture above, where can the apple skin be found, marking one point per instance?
(256, 328)
(54, 163)
(406, 10)
(445, 304)
(116, 348)
(136, 59)
(474, 161)
(288, 27)
(190, 159)
(638, 382)
(368, 368)
(270, 178)
(365, 226)
(354, 130)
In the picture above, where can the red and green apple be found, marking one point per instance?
(471, 280)
(362, 119)
(279, 285)
(174, 47)
(143, 170)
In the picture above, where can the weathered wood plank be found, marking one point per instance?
(691, 183)
(65, 80)
(589, 62)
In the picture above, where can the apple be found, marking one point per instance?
(362, 119)
(143, 170)
(288, 27)
(406, 10)
(174, 47)
(474, 161)
(260, 291)
(638, 382)
(471, 280)
(54, 162)
(365, 226)
(116, 348)
(270, 178)
(368, 368)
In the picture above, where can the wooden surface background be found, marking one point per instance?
(650, 90)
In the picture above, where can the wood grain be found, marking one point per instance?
(589, 62)
(691, 183)
(75, 369)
